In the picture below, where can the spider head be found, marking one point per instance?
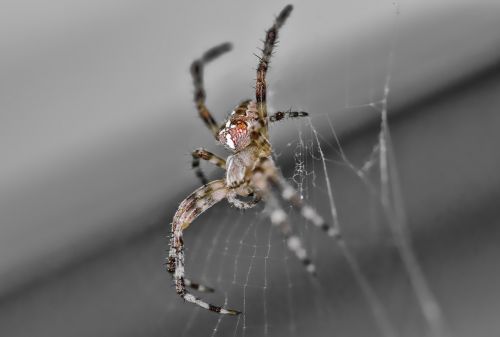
(235, 134)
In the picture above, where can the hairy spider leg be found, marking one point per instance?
(199, 90)
(208, 156)
(267, 51)
(279, 115)
(190, 208)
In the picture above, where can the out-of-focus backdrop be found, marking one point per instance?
(97, 123)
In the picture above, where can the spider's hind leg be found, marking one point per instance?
(294, 243)
(262, 179)
(308, 212)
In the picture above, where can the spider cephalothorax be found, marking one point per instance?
(250, 170)
(235, 134)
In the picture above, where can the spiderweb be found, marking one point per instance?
(369, 280)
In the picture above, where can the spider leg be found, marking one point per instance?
(267, 51)
(274, 177)
(260, 180)
(233, 200)
(199, 90)
(189, 209)
(294, 243)
(198, 286)
(308, 212)
(208, 156)
(279, 115)
(193, 285)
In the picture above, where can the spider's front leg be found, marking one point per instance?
(267, 52)
(189, 209)
(199, 90)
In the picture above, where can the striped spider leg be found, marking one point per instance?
(195, 204)
(264, 60)
(208, 156)
(199, 90)
(259, 182)
(279, 115)
(266, 175)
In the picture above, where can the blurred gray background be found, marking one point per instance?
(97, 123)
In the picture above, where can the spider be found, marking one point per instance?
(250, 170)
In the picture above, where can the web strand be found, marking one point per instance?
(391, 199)
(375, 305)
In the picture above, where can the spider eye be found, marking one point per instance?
(240, 125)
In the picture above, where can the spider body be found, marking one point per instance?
(250, 170)
(235, 135)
